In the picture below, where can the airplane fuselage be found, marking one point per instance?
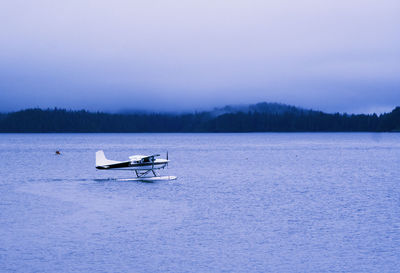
(138, 165)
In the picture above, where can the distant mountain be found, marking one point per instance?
(261, 117)
(262, 107)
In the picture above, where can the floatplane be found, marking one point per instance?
(144, 166)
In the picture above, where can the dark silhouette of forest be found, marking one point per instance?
(262, 117)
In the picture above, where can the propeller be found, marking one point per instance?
(167, 159)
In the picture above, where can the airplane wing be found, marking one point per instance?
(140, 157)
(148, 156)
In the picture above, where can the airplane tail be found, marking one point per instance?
(101, 159)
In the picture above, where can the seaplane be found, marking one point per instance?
(144, 166)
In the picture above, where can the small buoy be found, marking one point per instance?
(58, 152)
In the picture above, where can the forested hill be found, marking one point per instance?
(262, 117)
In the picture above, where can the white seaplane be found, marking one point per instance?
(142, 165)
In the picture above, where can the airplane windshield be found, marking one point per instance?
(148, 159)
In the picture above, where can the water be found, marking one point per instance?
(242, 203)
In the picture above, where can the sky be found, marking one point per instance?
(175, 55)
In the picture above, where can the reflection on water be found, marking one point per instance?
(134, 179)
(242, 203)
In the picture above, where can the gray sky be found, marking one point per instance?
(180, 55)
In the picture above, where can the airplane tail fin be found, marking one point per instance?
(101, 159)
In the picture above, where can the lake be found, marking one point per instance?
(258, 202)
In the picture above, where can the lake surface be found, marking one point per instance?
(242, 203)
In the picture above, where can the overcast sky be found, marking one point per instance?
(181, 55)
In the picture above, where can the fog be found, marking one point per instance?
(191, 55)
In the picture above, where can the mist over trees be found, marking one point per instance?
(262, 117)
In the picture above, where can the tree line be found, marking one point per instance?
(290, 119)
